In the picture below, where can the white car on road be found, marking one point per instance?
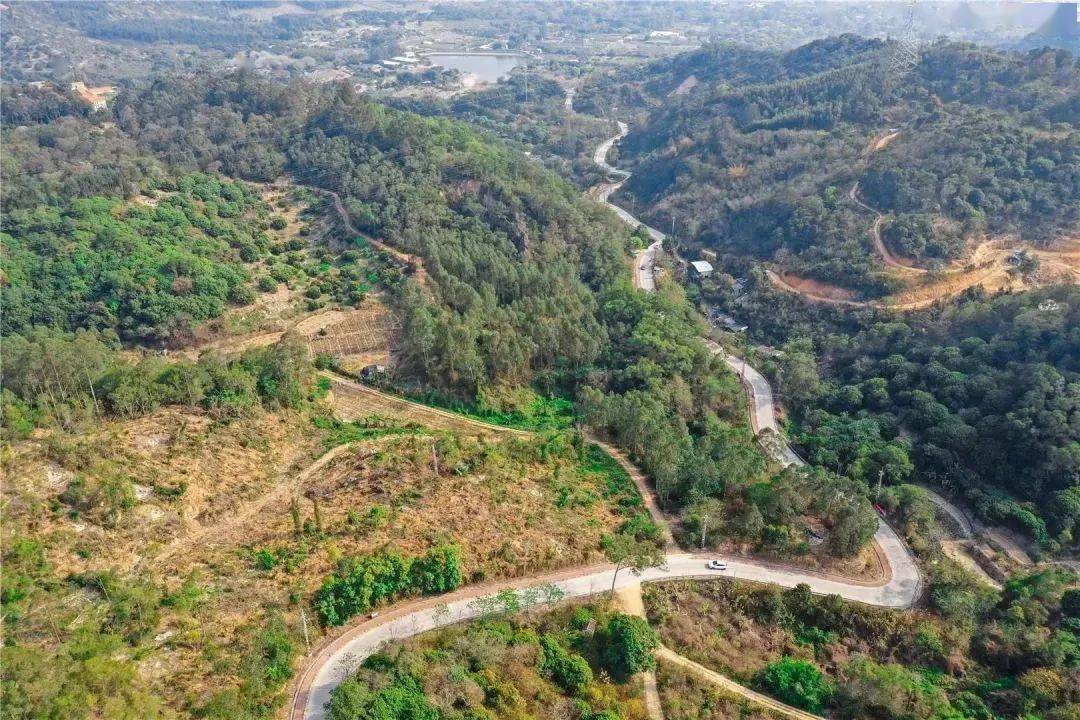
(716, 565)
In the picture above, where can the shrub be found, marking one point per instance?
(569, 671)
(798, 683)
(871, 689)
(438, 571)
(630, 643)
(362, 582)
(403, 699)
(276, 651)
(265, 560)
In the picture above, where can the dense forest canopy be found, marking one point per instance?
(985, 395)
(754, 152)
(515, 254)
(142, 271)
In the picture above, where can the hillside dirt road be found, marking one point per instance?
(667, 655)
(409, 261)
(875, 236)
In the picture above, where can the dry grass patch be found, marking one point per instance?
(225, 530)
(124, 489)
(698, 627)
(512, 510)
(684, 696)
(103, 504)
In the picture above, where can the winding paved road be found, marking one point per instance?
(904, 579)
(644, 260)
(963, 523)
(340, 655)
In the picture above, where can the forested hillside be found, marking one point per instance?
(984, 396)
(755, 153)
(514, 252)
(530, 112)
(527, 284)
(123, 233)
(184, 513)
(529, 280)
(142, 270)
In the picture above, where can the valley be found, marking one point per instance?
(689, 362)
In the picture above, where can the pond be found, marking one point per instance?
(486, 67)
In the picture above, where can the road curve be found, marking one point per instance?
(338, 657)
(644, 260)
(875, 236)
(902, 569)
(963, 522)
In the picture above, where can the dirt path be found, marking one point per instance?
(666, 655)
(651, 504)
(931, 293)
(280, 491)
(1002, 538)
(959, 552)
(412, 261)
(353, 400)
(875, 235)
(780, 283)
(629, 600)
(882, 142)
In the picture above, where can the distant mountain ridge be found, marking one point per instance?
(757, 156)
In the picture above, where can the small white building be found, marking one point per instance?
(701, 268)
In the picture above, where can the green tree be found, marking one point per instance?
(627, 550)
(569, 670)
(799, 377)
(797, 682)
(629, 645)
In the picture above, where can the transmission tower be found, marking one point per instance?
(905, 50)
